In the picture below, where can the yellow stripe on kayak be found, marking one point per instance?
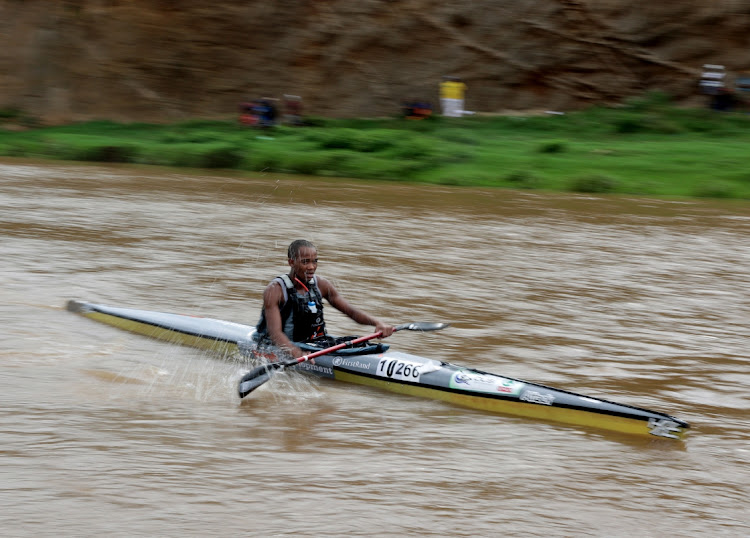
(160, 333)
(508, 407)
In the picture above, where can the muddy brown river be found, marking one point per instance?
(106, 433)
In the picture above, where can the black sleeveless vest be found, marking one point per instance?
(301, 314)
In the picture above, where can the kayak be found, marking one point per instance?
(404, 373)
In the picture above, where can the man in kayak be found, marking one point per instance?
(293, 304)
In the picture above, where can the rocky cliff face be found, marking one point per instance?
(168, 59)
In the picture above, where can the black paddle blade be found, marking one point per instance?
(422, 326)
(256, 377)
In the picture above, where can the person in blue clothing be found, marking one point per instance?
(293, 304)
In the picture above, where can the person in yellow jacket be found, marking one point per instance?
(452, 90)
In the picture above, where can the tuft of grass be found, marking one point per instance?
(553, 146)
(524, 179)
(715, 189)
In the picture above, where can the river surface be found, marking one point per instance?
(103, 432)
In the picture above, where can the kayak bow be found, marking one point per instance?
(404, 373)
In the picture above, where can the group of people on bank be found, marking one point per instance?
(264, 112)
(452, 94)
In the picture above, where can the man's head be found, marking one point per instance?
(303, 259)
(295, 247)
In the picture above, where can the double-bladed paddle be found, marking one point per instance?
(257, 376)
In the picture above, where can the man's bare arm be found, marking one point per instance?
(336, 300)
(272, 298)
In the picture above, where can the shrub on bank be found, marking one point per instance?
(524, 179)
(553, 146)
(323, 163)
(10, 113)
(90, 148)
(212, 155)
(369, 141)
(266, 159)
(715, 189)
(593, 183)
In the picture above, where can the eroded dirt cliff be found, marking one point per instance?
(169, 59)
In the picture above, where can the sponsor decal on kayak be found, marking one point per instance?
(533, 396)
(356, 364)
(317, 369)
(404, 370)
(493, 384)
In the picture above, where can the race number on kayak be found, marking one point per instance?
(401, 369)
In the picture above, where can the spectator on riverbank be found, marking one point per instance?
(268, 112)
(417, 110)
(292, 109)
(248, 117)
(452, 90)
(723, 100)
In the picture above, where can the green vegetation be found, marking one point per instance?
(646, 147)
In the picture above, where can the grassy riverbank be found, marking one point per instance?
(645, 148)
